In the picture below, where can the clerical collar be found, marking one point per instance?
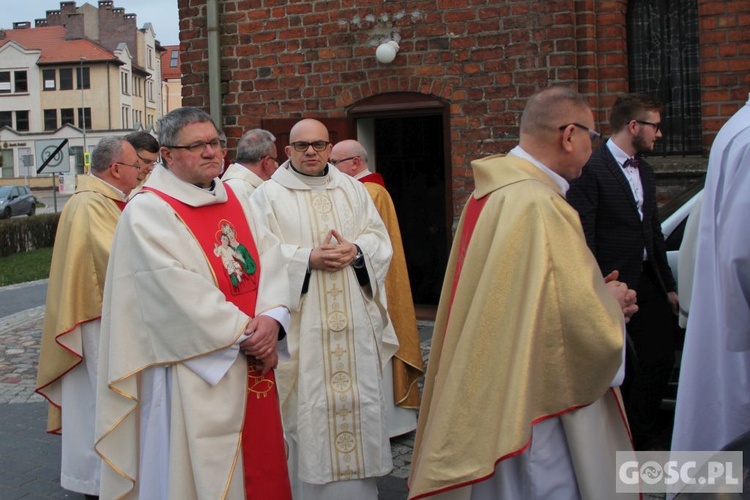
(557, 178)
(363, 173)
(119, 191)
(325, 171)
(210, 189)
(313, 181)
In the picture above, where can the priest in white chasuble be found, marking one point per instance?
(194, 307)
(337, 252)
(521, 398)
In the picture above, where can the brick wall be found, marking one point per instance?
(483, 58)
(725, 61)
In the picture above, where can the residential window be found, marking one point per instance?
(77, 153)
(150, 57)
(50, 119)
(21, 80)
(66, 78)
(174, 59)
(84, 119)
(137, 86)
(83, 78)
(5, 82)
(124, 83)
(6, 119)
(150, 91)
(67, 115)
(22, 121)
(48, 75)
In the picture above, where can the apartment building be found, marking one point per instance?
(80, 73)
(171, 75)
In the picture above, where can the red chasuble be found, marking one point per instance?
(225, 237)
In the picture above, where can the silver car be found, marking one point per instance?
(16, 200)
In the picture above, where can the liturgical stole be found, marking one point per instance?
(225, 237)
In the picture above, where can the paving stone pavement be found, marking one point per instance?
(30, 458)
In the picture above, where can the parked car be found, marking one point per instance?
(16, 200)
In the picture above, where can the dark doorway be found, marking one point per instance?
(410, 157)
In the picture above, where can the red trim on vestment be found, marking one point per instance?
(504, 457)
(473, 209)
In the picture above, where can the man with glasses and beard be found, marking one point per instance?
(616, 199)
(336, 252)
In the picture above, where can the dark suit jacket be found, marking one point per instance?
(609, 215)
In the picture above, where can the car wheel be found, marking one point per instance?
(32, 210)
(6, 213)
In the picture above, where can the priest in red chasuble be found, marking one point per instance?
(195, 310)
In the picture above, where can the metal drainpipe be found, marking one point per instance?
(214, 63)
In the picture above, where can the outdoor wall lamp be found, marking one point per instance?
(386, 52)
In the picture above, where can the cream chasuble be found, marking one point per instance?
(526, 332)
(166, 322)
(340, 339)
(241, 180)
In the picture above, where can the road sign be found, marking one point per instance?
(59, 162)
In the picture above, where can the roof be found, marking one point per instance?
(167, 71)
(50, 40)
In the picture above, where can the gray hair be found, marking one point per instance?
(173, 122)
(255, 145)
(106, 152)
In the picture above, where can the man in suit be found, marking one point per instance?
(616, 200)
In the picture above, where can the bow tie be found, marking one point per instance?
(630, 162)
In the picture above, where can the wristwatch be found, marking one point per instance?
(359, 260)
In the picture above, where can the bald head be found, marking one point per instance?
(550, 108)
(309, 147)
(350, 157)
(556, 128)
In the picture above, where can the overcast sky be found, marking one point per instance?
(162, 14)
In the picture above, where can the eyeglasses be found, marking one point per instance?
(136, 166)
(146, 161)
(656, 126)
(200, 146)
(274, 158)
(301, 146)
(592, 133)
(336, 162)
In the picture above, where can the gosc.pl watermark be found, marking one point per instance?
(679, 471)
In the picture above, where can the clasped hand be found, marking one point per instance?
(263, 333)
(625, 296)
(333, 256)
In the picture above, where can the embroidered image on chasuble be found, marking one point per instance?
(340, 338)
(177, 308)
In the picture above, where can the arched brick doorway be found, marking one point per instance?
(408, 139)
